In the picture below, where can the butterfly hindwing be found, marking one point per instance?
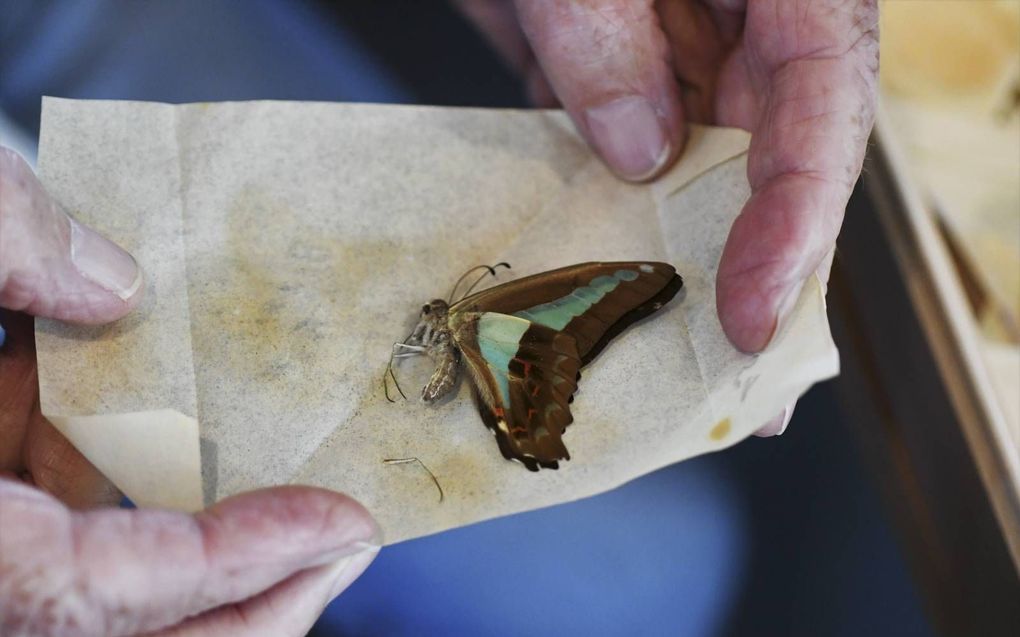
(523, 374)
(593, 302)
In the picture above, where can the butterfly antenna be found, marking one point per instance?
(492, 271)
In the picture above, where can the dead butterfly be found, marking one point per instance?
(525, 342)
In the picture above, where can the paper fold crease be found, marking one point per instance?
(287, 245)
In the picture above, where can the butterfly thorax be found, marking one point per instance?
(433, 333)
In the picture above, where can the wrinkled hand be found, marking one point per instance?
(799, 74)
(265, 562)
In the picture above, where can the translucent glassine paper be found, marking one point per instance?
(286, 246)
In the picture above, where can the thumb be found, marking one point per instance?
(609, 63)
(52, 265)
(116, 572)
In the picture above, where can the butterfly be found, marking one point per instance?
(524, 343)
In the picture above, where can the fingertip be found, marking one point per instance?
(774, 245)
(743, 296)
(326, 520)
(745, 315)
(53, 266)
(103, 262)
(91, 305)
(753, 312)
(610, 66)
(344, 517)
(638, 138)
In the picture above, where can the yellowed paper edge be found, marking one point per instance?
(153, 457)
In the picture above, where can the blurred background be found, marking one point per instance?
(885, 509)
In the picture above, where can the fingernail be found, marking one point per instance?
(347, 568)
(630, 136)
(103, 262)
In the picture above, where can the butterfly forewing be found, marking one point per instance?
(592, 301)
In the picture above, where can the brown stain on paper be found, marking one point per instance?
(721, 429)
(283, 296)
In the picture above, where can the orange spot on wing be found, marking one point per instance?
(525, 366)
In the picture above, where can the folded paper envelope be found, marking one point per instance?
(286, 246)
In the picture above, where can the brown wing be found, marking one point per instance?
(593, 302)
(524, 376)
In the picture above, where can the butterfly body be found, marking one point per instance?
(433, 333)
(524, 342)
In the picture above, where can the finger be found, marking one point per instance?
(288, 609)
(53, 266)
(609, 64)
(124, 572)
(728, 16)
(54, 465)
(698, 48)
(30, 446)
(806, 153)
(777, 425)
(19, 388)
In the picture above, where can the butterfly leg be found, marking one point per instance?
(412, 350)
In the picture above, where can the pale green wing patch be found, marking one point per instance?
(499, 337)
(559, 312)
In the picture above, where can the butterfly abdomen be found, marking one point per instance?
(447, 359)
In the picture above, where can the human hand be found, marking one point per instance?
(799, 74)
(265, 562)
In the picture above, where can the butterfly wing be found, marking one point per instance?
(525, 342)
(592, 302)
(524, 375)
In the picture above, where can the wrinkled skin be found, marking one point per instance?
(265, 562)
